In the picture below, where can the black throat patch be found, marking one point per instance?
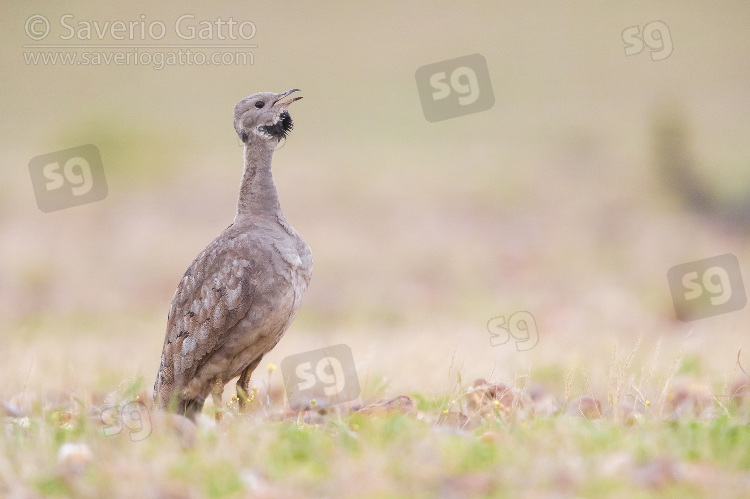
(281, 128)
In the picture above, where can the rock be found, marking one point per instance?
(399, 405)
(545, 403)
(316, 417)
(454, 420)
(23, 422)
(658, 473)
(585, 406)
(73, 457)
(18, 405)
(688, 397)
(489, 400)
(490, 436)
(477, 484)
(12, 411)
(630, 412)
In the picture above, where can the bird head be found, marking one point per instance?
(263, 117)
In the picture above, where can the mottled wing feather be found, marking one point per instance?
(215, 293)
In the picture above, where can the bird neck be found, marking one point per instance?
(257, 193)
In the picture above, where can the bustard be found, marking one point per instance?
(242, 292)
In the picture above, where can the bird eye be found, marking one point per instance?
(260, 104)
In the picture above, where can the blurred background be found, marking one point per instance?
(592, 175)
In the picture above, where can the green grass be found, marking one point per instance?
(349, 454)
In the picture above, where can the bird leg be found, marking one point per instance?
(216, 392)
(243, 384)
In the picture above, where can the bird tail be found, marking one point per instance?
(190, 408)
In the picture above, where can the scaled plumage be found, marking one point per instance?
(242, 292)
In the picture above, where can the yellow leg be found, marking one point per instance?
(216, 392)
(243, 385)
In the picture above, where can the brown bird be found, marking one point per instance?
(242, 292)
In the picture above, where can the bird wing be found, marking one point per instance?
(215, 293)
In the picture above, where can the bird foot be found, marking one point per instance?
(244, 401)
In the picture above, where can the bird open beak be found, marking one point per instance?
(282, 95)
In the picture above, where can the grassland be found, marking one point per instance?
(552, 202)
(482, 440)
